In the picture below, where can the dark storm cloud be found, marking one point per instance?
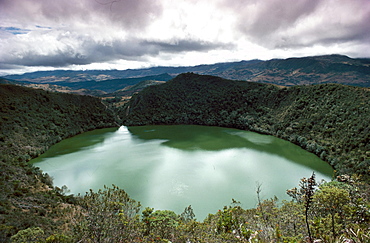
(59, 59)
(272, 16)
(5, 66)
(91, 51)
(185, 45)
(302, 23)
(127, 13)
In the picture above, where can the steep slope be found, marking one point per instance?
(329, 120)
(31, 121)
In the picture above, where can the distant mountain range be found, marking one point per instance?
(286, 72)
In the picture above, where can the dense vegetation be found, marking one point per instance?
(31, 121)
(31, 210)
(330, 120)
(331, 212)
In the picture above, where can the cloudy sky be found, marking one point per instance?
(122, 34)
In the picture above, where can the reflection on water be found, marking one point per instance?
(171, 167)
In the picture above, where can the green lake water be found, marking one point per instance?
(171, 167)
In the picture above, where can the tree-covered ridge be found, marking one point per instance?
(329, 120)
(30, 122)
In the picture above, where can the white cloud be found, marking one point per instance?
(135, 33)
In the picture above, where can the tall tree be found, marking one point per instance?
(305, 195)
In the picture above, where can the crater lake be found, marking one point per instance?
(172, 167)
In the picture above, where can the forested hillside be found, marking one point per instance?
(31, 121)
(330, 120)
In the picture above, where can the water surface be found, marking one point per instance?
(171, 167)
